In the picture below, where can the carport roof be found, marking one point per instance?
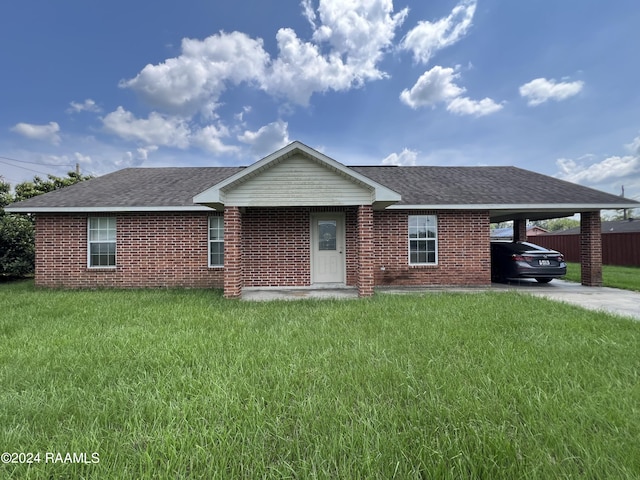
(481, 185)
(506, 192)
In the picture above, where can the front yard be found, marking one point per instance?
(184, 384)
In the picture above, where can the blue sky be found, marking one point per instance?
(546, 85)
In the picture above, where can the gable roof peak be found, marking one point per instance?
(382, 196)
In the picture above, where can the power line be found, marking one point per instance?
(10, 180)
(37, 163)
(24, 168)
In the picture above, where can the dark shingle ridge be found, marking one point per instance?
(419, 185)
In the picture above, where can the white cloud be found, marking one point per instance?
(196, 79)
(438, 86)
(479, 108)
(434, 86)
(240, 116)
(357, 33)
(541, 90)
(309, 12)
(131, 159)
(634, 146)
(428, 37)
(406, 158)
(82, 159)
(267, 139)
(156, 130)
(360, 30)
(611, 168)
(143, 153)
(301, 70)
(210, 138)
(46, 133)
(87, 106)
(609, 174)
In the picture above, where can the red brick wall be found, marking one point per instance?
(276, 246)
(463, 250)
(366, 267)
(591, 249)
(153, 250)
(232, 252)
(170, 250)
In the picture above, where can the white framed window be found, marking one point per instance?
(101, 250)
(216, 241)
(423, 240)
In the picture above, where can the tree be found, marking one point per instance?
(16, 238)
(17, 233)
(619, 215)
(39, 186)
(556, 224)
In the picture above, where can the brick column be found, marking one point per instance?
(365, 251)
(232, 252)
(591, 249)
(520, 230)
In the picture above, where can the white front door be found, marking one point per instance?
(327, 248)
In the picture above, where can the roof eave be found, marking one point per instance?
(584, 207)
(108, 209)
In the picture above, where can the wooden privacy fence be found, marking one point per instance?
(617, 248)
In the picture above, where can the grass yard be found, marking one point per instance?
(627, 278)
(184, 384)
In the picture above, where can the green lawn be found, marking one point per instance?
(184, 384)
(614, 276)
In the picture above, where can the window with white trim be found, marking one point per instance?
(423, 240)
(216, 241)
(102, 242)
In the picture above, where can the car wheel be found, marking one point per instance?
(543, 280)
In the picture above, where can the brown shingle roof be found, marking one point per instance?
(136, 187)
(481, 186)
(140, 188)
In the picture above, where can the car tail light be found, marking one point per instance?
(520, 258)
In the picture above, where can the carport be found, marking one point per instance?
(507, 194)
(590, 233)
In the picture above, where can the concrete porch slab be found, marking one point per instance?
(299, 293)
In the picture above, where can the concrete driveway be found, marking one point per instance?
(611, 300)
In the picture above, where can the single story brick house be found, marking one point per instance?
(297, 218)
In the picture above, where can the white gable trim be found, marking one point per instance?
(215, 197)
